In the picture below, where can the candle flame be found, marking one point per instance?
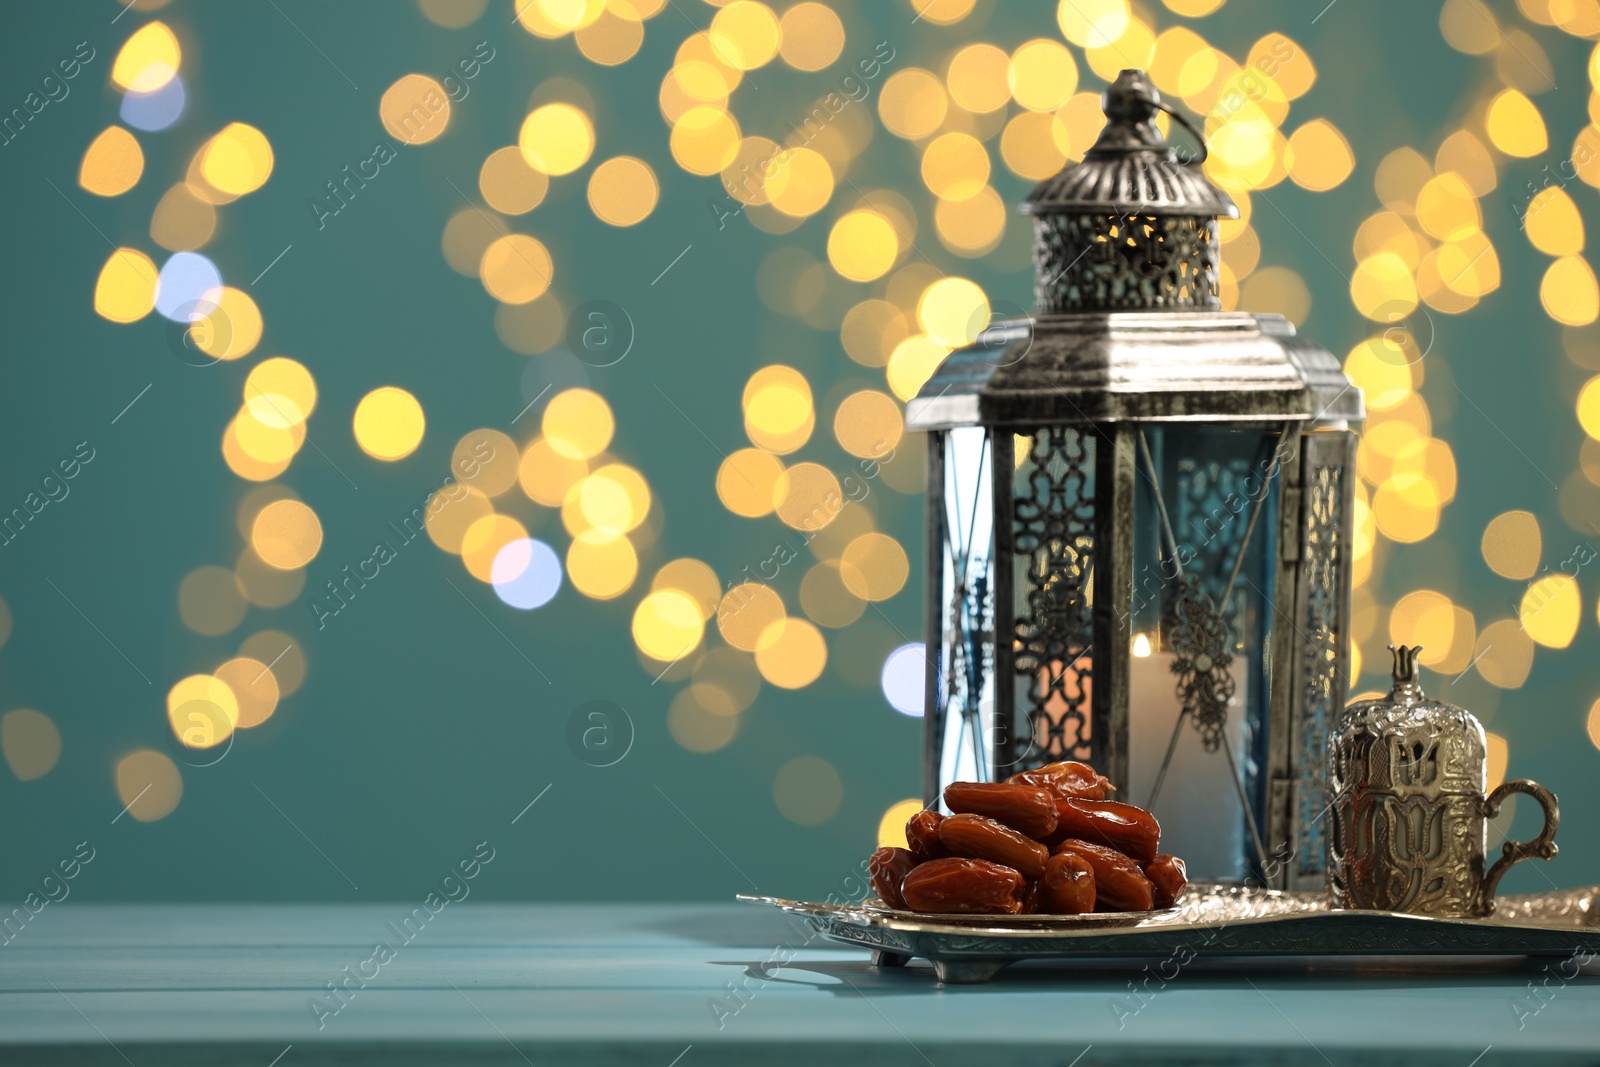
(1141, 645)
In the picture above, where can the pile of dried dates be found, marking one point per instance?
(1044, 842)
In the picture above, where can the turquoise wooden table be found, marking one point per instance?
(697, 985)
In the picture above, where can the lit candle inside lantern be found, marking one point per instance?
(1198, 809)
(1201, 819)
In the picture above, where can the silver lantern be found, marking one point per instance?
(1139, 523)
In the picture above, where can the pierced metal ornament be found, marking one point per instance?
(1054, 518)
(1124, 262)
(1200, 639)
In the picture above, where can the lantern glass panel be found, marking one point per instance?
(1204, 566)
(963, 693)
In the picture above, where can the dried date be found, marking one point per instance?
(888, 867)
(1029, 810)
(922, 835)
(1169, 877)
(1119, 884)
(1066, 780)
(1032, 901)
(979, 837)
(1132, 831)
(1045, 841)
(1067, 885)
(957, 884)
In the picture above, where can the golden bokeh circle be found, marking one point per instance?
(623, 191)
(862, 245)
(449, 513)
(202, 711)
(254, 687)
(112, 163)
(148, 784)
(453, 14)
(546, 475)
(601, 565)
(667, 625)
(467, 235)
(556, 138)
(487, 460)
(746, 613)
(892, 826)
(868, 424)
(516, 268)
(697, 728)
(283, 656)
(238, 160)
(415, 109)
(808, 790)
(182, 221)
(482, 541)
(750, 481)
(30, 743)
(231, 329)
(913, 103)
(874, 566)
(509, 184)
(286, 534)
(389, 423)
(826, 600)
(745, 34)
(811, 36)
(705, 140)
(732, 674)
(578, 423)
(693, 579)
(125, 291)
(812, 497)
(264, 585)
(148, 59)
(978, 78)
(280, 392)
(614, 37)
(792, 653)
(211, 600)
(955, 166)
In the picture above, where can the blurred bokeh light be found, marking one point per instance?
(628, 267)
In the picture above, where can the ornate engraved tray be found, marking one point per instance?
(1217, 920)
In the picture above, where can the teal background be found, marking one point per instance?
(418, 731)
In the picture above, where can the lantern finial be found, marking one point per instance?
(1130, 104)
(1132, 227)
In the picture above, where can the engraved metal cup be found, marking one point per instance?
(1410, 808)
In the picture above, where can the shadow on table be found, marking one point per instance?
(756, 928)
(855, 977)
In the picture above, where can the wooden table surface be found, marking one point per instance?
(695, 985)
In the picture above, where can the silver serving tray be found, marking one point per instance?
(1212, 919)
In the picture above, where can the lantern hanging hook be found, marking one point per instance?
(1194, 131)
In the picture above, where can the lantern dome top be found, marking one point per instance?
(1132, 169)
(1128, 322)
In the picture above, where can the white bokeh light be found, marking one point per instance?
(905, 678)
(526, 573)
(188, 287)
